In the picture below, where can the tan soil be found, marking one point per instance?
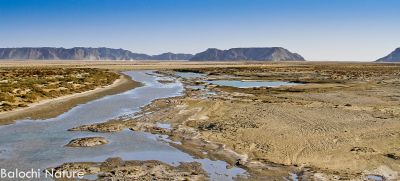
(349, 125)
(344, 124)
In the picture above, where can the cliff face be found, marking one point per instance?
(250, 54)
(392, 57)
(82, 53)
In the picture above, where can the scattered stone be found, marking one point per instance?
(362, 150)
(166, 81)
(393, 156)
(208, 126)
(87, 142)
(101, 127)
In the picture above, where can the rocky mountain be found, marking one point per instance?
(247, 54)
(83, 53)
(392, 57)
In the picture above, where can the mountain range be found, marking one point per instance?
(211, 54)
(392, 57)
(83, 53)
(249, 54)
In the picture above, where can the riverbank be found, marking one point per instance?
(42, 144)
(342, 124)
(52, 107)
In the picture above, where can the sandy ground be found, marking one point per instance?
(347, 126)
(52, 107)
(343, 124)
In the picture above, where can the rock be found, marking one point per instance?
(393, 156)
(209, 126)
(252, 54)
(83, 167)
(87, 142)
(166, 81)
(392, 57)
(83, 53)
(362, 150)
(101, 127)
(117, 169)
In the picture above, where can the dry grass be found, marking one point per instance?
(21, 86)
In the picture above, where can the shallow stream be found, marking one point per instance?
(39, 144)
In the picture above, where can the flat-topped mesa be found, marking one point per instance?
(392, 57)
(248, 54)
(83, 53)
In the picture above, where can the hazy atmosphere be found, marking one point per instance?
(351, 30)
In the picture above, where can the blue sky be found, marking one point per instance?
(352, 30)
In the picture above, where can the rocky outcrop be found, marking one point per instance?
(87, 142)
(247, 54)
(100, 127)
(392, 57)
(83, 53)
(118, 169)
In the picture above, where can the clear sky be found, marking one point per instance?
(353, 30)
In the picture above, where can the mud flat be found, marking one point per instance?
(342, 123)
(41, 144)
(344, 120)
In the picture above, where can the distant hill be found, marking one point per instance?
(172, 56)
(249, 54)
(392, 57)
(83, 53)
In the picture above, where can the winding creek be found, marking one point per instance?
(40, 144)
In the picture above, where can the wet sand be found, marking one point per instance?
(342, 124)
(52, 107)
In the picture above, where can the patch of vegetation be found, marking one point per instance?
(307, 73)
(21, 86)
